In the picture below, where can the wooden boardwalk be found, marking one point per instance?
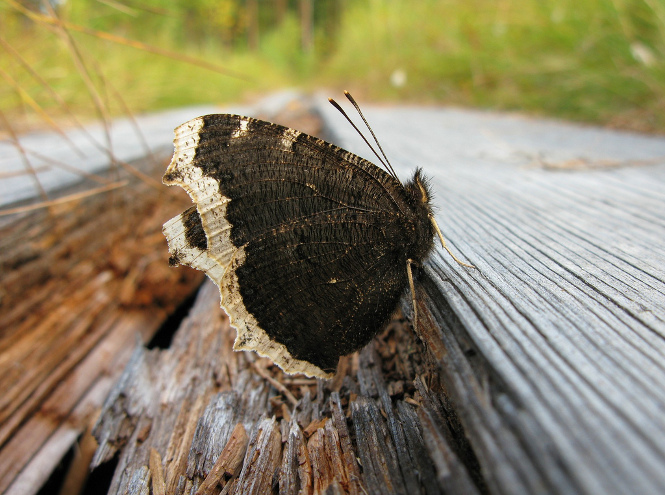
(553, 349)
(541, 371)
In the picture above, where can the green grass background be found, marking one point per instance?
(597, 61)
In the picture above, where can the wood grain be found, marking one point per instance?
(312, 451)
(551, 353)
(80, 283)
(540, 372)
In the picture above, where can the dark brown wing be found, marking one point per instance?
(305, 240)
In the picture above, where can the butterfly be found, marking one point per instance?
(311, 246)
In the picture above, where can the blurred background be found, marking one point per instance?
(598, 61)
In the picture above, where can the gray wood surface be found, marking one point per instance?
(553, 348)
(541, 370)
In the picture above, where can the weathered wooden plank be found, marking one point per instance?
(156, 473)
(552, 351)
(214, 430)
(541, 371)
(410, 425)
(228, 462)
(80, 281)
(451, 475)
(295, 475)
(456, 464)
(262, 459)
(156, 383)
(406, 463)
(376, 452)
(348, 454)
(183, 402)
(39, 445)
(322, 469)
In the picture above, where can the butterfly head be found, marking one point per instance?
(418, 190)
(419, 200)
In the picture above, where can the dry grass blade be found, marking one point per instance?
(59, 164)
(85, 66)
(26, 162)
(85, 76)
(34, 105)
(64, 199)
(19, 173)
(56, 97)
(125, 9)
(124, 41)
(101, 107)
(106, 83)
(264, 374)
(128, 114)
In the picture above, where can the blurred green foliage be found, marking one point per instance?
(592, 60)
(598, 61)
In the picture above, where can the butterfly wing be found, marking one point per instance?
(304, 239)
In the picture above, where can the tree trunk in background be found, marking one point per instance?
(281, 7)
(253, 24)
(306, 25)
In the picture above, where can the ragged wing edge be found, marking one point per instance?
(222, 258)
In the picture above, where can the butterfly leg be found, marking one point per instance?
(443, 242)
(413, 292)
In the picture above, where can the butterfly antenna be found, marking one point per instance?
(388, 167)
(357, 107)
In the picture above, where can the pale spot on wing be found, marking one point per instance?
(289, 136)
(242, 130)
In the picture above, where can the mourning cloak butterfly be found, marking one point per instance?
(311, 246)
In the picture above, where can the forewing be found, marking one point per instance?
(307, 237)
